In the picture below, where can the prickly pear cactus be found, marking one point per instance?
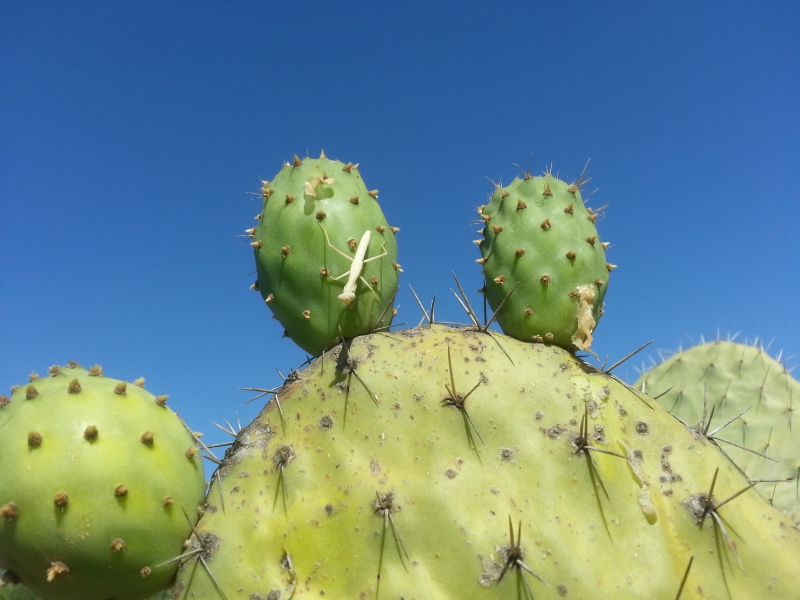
(541, 242)
(434, 464)
(326, 257)
(96, 476)
(744, 385)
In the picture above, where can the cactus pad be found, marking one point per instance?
(96, 476)
(429, 464)
(733, 379)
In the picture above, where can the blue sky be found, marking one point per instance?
(132, 134)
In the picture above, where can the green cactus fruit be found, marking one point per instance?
(745, 384)
(317, 220)
(434, 464)
(98, 476)
(541, 242)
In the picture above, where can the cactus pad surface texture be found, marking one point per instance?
(440, 463)
(711, 384)
(541, 242)
(317, 215)
(96, 476)
(20, 592)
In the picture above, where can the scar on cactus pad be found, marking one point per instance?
(541, 241)
(740, 396)
(390, 492)
(326, 257)
(97, 474)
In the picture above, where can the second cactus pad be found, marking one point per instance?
(326, 257)
(539, 237)
(98, 477)
(724, 382)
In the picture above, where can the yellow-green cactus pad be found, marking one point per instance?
(444, 464)
(95, 476)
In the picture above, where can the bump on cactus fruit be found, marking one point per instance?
(97, 474)
(541, 255)
(713, 383)
(432, 464)
(325, 255)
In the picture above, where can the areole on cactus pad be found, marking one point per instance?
(438, 463)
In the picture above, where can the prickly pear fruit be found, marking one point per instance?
(437, 463)
(710, 384)
(98, 476)
(317, 221)
(541, 242)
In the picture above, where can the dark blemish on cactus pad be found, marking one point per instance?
(561, 589)
(599, 434)
(326, 422)
(506, 454)
(642, 428)
(450, 473)
(553, 432)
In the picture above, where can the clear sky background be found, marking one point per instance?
(131, 134)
